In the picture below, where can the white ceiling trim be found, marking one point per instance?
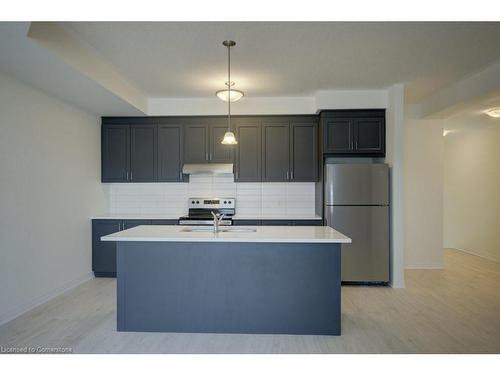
(478, 89)
(333, 99)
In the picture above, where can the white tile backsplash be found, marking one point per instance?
(252, 199)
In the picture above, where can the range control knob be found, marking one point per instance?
(225, 202)
(192, 202)
(197, 202)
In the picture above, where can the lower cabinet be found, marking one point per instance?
(310, 222)
(127, 224)
(246, 222)
(104, 253)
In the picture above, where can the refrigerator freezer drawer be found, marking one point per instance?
(366, 259)
(356, 184)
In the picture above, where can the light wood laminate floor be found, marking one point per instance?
(455, 310)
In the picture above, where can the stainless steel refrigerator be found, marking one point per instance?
(357, 204)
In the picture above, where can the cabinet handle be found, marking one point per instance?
(180, 175)
(287, 175)
(127, 175)
(291, 175)
(236, 175)
(131, 178)
(210, 155)
(206, 156)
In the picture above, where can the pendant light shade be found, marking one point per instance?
(229, 139)
(492, 112)
(235, 95)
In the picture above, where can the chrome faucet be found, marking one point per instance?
(217, 221)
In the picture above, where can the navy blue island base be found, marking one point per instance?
(237, 287)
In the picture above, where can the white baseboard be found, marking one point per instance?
(21, 309)
(488, 257)
(424, 267)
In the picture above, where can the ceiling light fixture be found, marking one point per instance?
(229, 138)
(493, 112)
(235, 94)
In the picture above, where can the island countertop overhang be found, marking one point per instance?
(270, 234)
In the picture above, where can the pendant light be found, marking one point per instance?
(234, 94)
(229, 138)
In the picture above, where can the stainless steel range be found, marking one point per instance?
(200, 211)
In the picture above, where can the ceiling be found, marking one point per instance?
(22, 58)
(175, 59)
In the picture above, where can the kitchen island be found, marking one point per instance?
(279, 280)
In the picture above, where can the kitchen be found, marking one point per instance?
(205, 212)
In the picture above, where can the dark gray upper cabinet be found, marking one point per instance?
(303, 151)
(339, 135)
(196, 143)
(143, 153)
(170, 153)
(115, 163)
(370, 135)
(276, 151)
(270, 148)
(248, 158)
(218, 152)
(202, 142)
(354, 132)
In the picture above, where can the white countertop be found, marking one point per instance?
(170, 217)
(276, 234)
(134, 217)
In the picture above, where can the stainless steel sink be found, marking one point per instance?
(223, 230)
(248, 230)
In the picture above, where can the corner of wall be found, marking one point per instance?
(395, 159)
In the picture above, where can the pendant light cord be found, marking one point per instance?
(229, 88)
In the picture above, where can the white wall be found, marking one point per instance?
(49, 187)
(423, 168)
(472, 188)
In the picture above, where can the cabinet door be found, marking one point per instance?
(308, 222)
(127, 224)
(277, 222)
(143, 153)
(303, 152)
(250, 222)
(170, 153)
(115, 153)
(248, 159)
(339, 135)
(104, 253)
(275, 150)
(196, 143)
(219, 153)
(370, 135)
(165, 222)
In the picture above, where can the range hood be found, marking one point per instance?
(208, 168)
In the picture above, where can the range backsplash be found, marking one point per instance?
(287, 199)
